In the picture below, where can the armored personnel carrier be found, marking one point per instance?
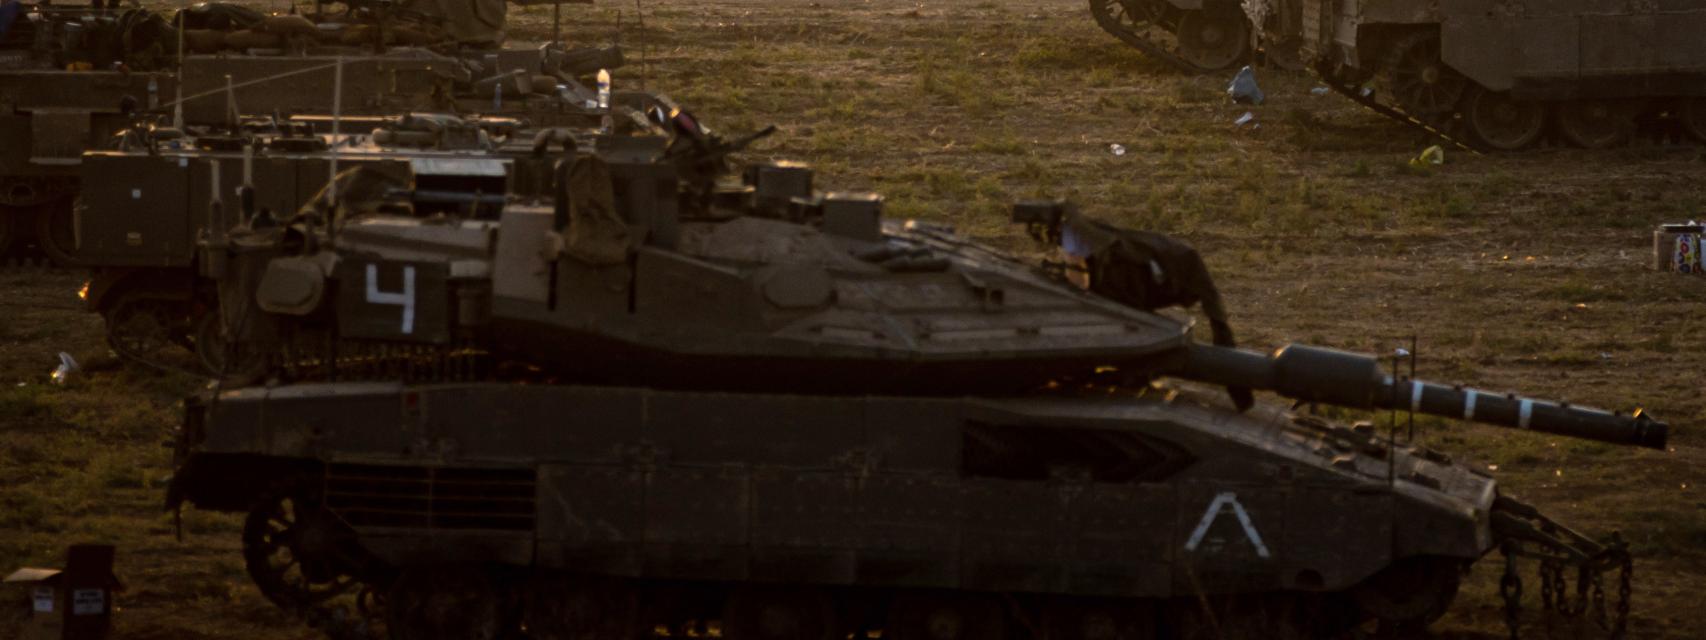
(73, 76)
(1504, 76)
(664, 403)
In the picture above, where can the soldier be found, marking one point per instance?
(1145, 270)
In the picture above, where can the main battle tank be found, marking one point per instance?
(72, 76)
(663, 404)
(1502, 75)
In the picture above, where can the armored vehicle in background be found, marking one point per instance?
(1505, 74)
(73, 76)
(664, 400)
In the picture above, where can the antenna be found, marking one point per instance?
(337, 109)
(216, 206)
(178, 105)
(616, 37)
(645, 42)
(1413, 349)
(1392, 430)
(230, 104)
(557, 23)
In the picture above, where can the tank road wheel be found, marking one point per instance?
(140, 328)
(1420, 81)
(578, 608)
(1595, 124)
(1069, 619)
(1501, 122)
(803, 613)
(946, 617)
(1214, 38)
(291, 548)
(56, 231)
(1693, 117)
(439, 603)
(1411, 594)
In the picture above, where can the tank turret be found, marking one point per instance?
(646, 268)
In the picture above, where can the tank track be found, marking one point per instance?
(1340, 85)
(1452, 131)
(668, 609)
(1114, 17)
(358, 609)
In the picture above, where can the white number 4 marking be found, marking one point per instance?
(1220, 503)
(406, 298)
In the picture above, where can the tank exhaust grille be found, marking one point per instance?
(431, 497)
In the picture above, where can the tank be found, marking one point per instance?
(663, 403)
(73, 76)
(1504, 76)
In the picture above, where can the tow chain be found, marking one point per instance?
(1510, 588)
(1324, 71)
(1625, 575)
(1528, 534)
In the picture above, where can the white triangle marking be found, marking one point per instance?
(1215, 507)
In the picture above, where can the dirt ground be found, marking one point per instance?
(1521, 272)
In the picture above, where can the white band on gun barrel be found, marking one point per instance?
(1415, 397)
(1469, 404)
(1524, 411)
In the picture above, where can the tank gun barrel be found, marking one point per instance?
(1315, 374)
